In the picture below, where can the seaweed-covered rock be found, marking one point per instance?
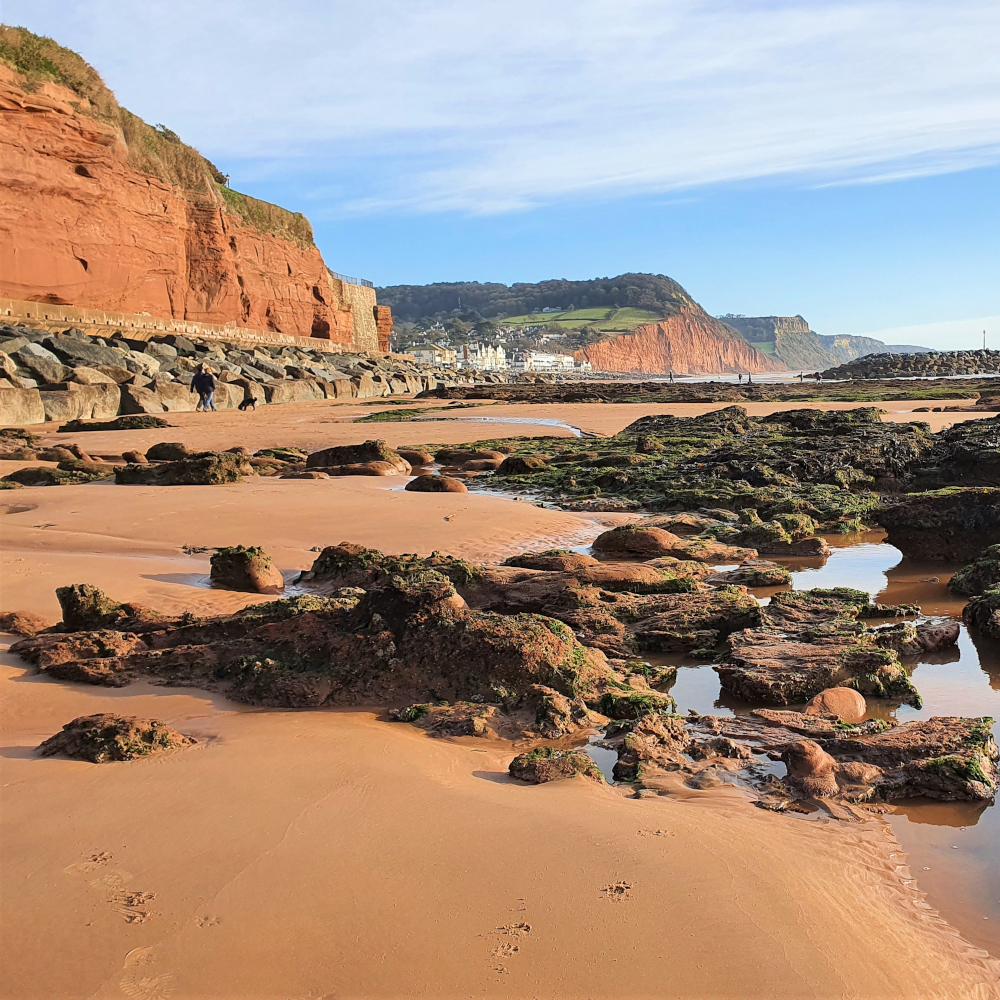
(436, 484)
(358, 454)
(544, 764)
(351, 565)
(636, 540)
(752, 573)
(76, 474)
(85, 607)
(208, 468)
(945, 758)
(809, 641)
(406, 639)
(632, 704)
(128, 422)
(107, 737)
(951, 524)
(521, 465)
(980, 575)
(249, 569)
(983, 613)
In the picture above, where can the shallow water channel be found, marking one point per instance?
(953, 847)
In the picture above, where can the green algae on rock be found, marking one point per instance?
(544, 764)
(983, 573)
(109, 737)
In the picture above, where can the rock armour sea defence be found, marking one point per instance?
(690, 343)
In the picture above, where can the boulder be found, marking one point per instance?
(135, 457)
(176, 397)
(108, 737)
(85, 352)
(362, 469)
(44, 369)
(544, 764)
(293, 391)
(228, 395)
(138, 399)
(636, 540)
(436, 484)
(86, 607)
(306, 474)
(21, 406)
(89, 376)
(247, 569)
(251, 390)
(167, 451)
(844, 702)
(376, 451)
(416, 458)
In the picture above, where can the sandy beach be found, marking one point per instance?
(314, 854)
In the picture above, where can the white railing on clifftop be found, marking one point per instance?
(352, 281)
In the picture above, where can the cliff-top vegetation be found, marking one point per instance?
(155, 150)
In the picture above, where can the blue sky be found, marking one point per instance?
(834, 158)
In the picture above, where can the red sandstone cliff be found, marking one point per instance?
(690, 343)
(101, 211)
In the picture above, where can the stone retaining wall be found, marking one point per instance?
(141, 327)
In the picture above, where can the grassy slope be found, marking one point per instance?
(155, 151)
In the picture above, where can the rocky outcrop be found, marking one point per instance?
(690, 343)
(983, 573)
(103, 211)
(951, 525)
(107, 737)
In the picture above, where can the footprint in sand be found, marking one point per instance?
(94, 861)
(138, 980)
(505, 940)
(208, 921)
(618, 891)
(131, 904)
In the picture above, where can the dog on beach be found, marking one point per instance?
(249, 404)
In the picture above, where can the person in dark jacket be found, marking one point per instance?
(204, 384)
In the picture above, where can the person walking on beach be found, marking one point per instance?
(204, 384)
(740, 376)
(671, 375)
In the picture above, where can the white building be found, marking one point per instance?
(431, 354)
(536, 361)
(489, 357)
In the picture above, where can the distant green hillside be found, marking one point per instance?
(619, 303)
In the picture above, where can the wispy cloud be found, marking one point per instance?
(499, 105)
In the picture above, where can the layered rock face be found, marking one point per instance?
(690, 343)
(102, 211)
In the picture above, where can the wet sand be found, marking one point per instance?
(328, 853)
(324, 424)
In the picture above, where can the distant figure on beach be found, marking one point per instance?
(749, 378)
(671, 375)
(740, 377)
(818, 377)
(802, 376)
(203, 383)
